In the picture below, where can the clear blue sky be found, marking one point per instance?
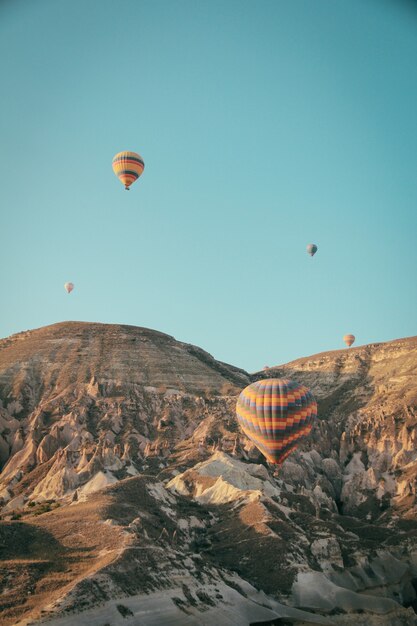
(264, 126)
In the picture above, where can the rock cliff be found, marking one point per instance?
(127, 491)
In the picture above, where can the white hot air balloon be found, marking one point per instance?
(69, 287)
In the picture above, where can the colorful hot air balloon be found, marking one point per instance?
(69, 287)
(276, 413)
(128, 166)
(312, 249)
(349, 339)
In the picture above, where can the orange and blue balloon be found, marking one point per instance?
(128, 166)
(276, 414)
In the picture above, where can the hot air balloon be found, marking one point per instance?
(311, 249)
(69, 287)
(349, 339)
(276, 413)
(128, 166)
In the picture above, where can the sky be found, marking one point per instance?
(264, 126)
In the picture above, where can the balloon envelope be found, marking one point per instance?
(276, 414)
(128, 166)
(69, 287)
(312, 249)
(349, 339)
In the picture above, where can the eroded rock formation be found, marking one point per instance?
(120, 444)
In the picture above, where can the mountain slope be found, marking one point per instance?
(128, 489)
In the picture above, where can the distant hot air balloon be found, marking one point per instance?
(128, 166)
(349, 339)
(276, 413)
(69, 287)
(311, 249)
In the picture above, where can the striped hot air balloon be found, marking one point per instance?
(275, 414)
(128, 166)
(312, 249)
(69, 287)
(349, 339)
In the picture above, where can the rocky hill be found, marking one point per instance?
(128, 495)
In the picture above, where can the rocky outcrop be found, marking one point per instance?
(77, 399)
(368, 418)
(129, 430)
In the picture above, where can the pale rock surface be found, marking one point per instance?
(313, 591)
(233, 480)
